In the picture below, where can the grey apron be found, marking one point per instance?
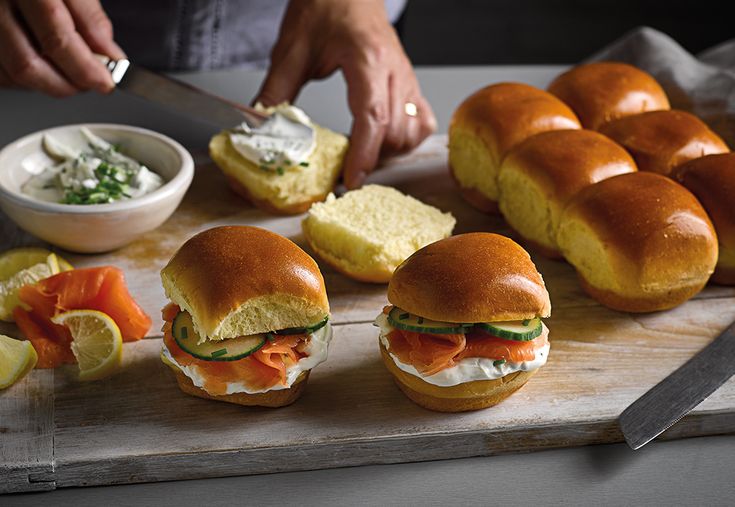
(180, 35)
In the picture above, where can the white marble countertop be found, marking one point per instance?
(696, 471)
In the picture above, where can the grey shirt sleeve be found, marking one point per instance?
(186, 35)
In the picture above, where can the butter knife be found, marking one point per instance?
(676, 395)
(179, 96)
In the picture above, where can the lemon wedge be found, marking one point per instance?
(22, 266)
(97, 342)
(17, 357)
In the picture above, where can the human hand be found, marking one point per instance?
(49, 46)
(320, 36)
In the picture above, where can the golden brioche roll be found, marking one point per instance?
(490, 122)
(539, 176)
(603, 91)
(712, 179)
(475, 277)
(242, 280)
(640, 242)
(460, 398)
(661, 140)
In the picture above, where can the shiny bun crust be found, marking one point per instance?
(460, 398)
(241, 280)
(604, 91)
(640, 242)
(661, 140)
(539, 176)
(491, 121)
(272, 399)
(475, 277)
(712, 180)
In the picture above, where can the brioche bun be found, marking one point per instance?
(473, 395)
(271, 399)
(603, 91)
(242, 280)
(367, 233)
(475, 277)
(490, 122)
(712, 180)
(539, 176)
(289, 193)
(640, 242)
(661, 140)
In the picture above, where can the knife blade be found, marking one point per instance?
(179, 96)
(676, 395)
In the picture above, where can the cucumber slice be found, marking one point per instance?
(304, 330)
(225, 350)
(404, 320)
(518, 330)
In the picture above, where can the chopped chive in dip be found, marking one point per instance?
(420, 320)
(270, 337)
(499, 362)
(279, 170)
(403, 316)
(304, 164)
(220, 352)
(526, 322)
(184, 332)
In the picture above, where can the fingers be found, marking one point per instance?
(5, 81)
(95, 27)
(53, 27)
(368, 99)
(22, 64)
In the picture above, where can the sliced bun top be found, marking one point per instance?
(504, 114)
(475, 277)
(241, 280)
(661, 140)
(603, 91)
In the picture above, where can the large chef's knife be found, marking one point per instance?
(180, 96)
(673, 397)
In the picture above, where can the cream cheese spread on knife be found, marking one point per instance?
(468, 369)
(285, 140)
(97, 175)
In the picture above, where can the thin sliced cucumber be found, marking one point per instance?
(304, 330)
(519, 330)
(404, 320)
(225, 350)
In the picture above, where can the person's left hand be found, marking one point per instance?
(320, 36)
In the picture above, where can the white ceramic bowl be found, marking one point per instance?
(96, 227)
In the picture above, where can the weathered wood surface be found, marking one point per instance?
(138, 427)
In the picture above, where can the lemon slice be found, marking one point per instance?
(17, 357)
(97, 342)
(20, 267)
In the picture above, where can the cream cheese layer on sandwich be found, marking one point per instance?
(316, 351)
(468, 369)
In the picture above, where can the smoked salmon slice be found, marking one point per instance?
(260, 371)
(432, 353)
(102, 288)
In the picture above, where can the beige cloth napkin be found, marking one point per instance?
(702, 84)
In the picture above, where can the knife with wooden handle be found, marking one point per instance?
(676, 395)
(180, 96)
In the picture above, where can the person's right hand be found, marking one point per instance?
(49, 46)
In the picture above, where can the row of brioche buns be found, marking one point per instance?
(586, 172)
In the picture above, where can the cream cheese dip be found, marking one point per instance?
(99, 174)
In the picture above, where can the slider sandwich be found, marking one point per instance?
(248, 318)
(463, 330)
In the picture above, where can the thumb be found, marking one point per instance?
(286, 76)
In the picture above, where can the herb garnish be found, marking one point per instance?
(220, 352)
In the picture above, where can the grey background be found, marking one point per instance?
(699, 471)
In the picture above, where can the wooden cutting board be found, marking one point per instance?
(138, 426)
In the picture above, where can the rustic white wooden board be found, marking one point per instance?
(137, 426)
